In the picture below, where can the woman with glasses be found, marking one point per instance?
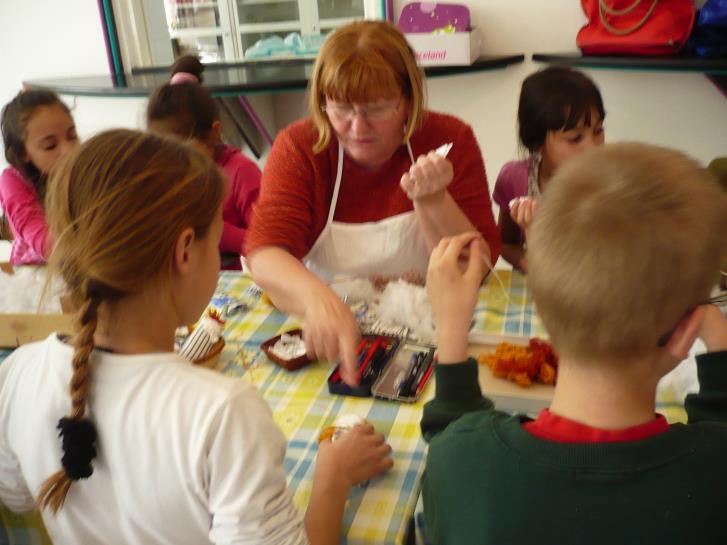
(357, 189)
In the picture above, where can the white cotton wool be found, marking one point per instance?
(355, 290)
(289, 347)
(405, 304)
(21, 292)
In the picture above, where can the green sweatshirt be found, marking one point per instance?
(489, 481)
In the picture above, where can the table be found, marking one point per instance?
(302, 406)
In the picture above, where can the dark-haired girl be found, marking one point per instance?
(37, 130)
(183, 107)
(560, 114)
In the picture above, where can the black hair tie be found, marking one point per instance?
(79, 449)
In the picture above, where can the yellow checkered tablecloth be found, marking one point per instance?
(302, 406)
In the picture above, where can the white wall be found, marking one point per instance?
(49, 38)
(680, 110)
(52, 39)
(677, 109)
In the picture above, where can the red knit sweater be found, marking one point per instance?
(243, 185)
(297, 186)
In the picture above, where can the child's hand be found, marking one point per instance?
(430, 175)
(713, 330)
(453, 291)
(522, 211)
(357, 456)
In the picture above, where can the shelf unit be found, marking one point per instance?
(235, 80)
(232, 79)
(714, 69)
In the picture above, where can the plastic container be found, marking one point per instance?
(287, 364)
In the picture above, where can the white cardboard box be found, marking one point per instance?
(459, 48)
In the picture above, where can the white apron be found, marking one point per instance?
(392, 246)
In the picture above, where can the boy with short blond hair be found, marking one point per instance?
(623, 253)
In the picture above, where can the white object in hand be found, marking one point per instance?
(443, 150)
(288, 347)
(344, 423)
(517, 199)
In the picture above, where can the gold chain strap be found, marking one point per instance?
(604, 8)
(613, 11)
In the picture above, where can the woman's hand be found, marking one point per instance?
(453, 289)
(522, 211)
(357, 456)
(429, 176)
(330, 331)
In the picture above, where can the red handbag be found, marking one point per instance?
(635, 27)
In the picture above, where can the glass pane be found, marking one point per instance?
(183, 14)
(267, 11)
(334, 9)
(209, 48)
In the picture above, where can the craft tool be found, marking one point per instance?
(443, 150)
(423, 369)
(424, 379)
(369, 353)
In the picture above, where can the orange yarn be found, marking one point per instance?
(536, 362)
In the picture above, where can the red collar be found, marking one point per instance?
(552, 427)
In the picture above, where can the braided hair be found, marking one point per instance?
(78, 432)
(116, 206)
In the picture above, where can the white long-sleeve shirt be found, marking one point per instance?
(185, 455)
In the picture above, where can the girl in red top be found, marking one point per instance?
(184, 108)
(357, 189)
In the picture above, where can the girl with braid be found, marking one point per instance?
(151, 448)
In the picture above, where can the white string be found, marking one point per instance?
(497, 277)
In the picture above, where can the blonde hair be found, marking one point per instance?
(628, 238)
(117, 206)
(363, 62)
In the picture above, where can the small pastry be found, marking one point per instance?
(206, 340)
(341, 425)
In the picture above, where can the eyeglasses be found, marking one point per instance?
(374, 114)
